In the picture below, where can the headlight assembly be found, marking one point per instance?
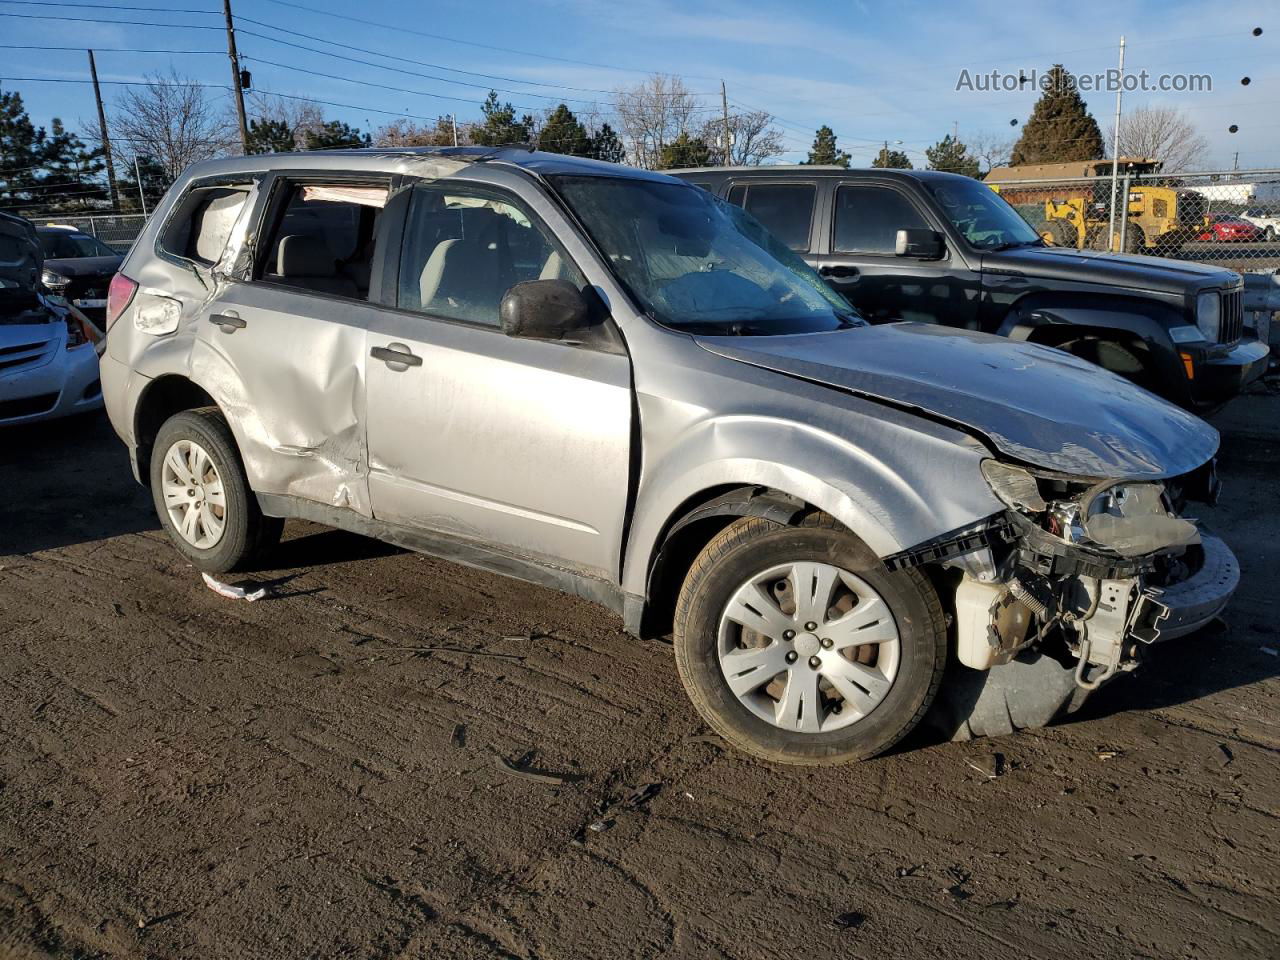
(1209, 314)
(54, 280)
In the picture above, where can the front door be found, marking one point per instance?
(517, 444)
(860, 261)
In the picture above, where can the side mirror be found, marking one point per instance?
(543, 310)
(919, 244)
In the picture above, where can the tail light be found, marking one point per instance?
(119, 295)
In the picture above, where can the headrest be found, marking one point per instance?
(305, 255)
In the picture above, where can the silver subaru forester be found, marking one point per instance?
(609, 381)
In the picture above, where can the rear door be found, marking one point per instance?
(281, 340)
(522, 445)
(786, 209)
(859, 260)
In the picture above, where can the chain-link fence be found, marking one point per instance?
(117, 231)
(1229, 219)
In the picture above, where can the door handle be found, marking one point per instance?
(229, 322)
(396, 355)
(841, 271)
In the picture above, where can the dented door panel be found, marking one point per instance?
(307, 348)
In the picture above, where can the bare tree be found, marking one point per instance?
(753, 138)
(1163, 133)
(991, 149)
(652, 114)
(406, 133)
(170, 121)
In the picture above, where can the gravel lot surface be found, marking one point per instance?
(321, 774)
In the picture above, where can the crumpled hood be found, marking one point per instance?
(1032, 403)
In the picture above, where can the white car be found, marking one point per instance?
(48, 351)
(1265, 219)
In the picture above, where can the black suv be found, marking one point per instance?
(942, 248)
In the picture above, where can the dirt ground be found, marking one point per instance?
(319, 774)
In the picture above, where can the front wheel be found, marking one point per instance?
(796, 645)
(202, 495)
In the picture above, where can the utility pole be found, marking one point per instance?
(235, 76)
(1115, 157)
(102, 130)
(453, 125)
(724, 105)
(1235, 160)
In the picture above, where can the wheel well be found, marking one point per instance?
(161, 400)
(1086, 341)
(695, 524)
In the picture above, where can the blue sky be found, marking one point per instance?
(871, 70)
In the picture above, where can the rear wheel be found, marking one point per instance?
(202, 496)
(1269, 234)
(796, 645)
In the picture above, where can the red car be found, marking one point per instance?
(1222, 227)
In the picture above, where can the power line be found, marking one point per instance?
(400, 28)
(99, 6)
(131, 23)
(421, 63)
(39, 46)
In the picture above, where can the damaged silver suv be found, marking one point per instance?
(609, 381)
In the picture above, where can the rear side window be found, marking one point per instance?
(785, 209)
(463, 250)
(868, 219)
(322, 237)
(202, 225)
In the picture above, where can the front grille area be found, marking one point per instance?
(27, 406)
(19, 355)
(1232, 316)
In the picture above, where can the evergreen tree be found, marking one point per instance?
(684, 151)
(1061, 128)
(500, 127)
(825, 151)
(45, 172)
(334, 134)
(562, 133)
(888, 159)
(950, 155)
(271, 136)
(21, 152)
(72, 178)
(606, 146)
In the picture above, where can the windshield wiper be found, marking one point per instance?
(1010, 244)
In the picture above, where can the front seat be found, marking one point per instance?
(305, 260)
(463, 279)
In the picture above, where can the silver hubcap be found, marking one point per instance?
(193, 494)
(808, 647)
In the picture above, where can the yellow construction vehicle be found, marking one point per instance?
(1161, 217)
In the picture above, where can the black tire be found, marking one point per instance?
(750, 545)
(1135, 239)
(247, 534)
(1269, 234)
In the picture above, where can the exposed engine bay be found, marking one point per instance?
(1088, 570)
